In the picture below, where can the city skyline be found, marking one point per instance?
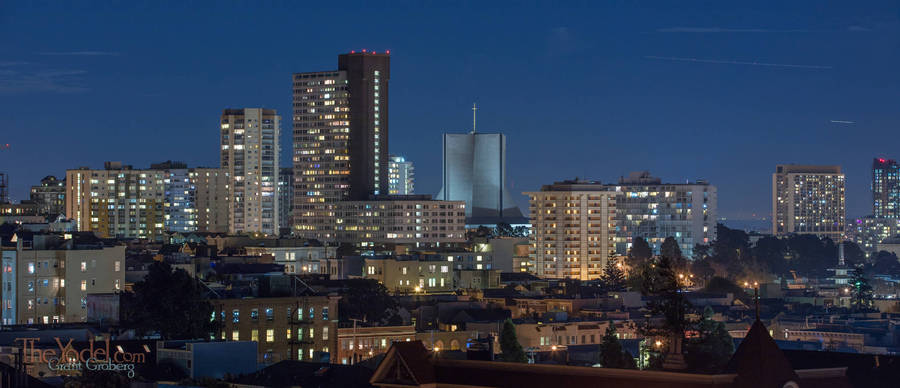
(792, 90)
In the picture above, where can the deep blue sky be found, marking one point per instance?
(593, 89)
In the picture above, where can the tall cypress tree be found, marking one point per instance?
(510, 348)
(613, 276)
(612, 355)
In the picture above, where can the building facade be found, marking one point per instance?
(180, 199)
(50, 195)
(362, 343)
(340, 138)
(474, 171)
(401, 219)
(402, 176)
(411, 275)
(53, 282)
(808, 200)
(885, 188)
(573, 229)
(119, 201)
(249, 155)
(285, 199)
(297, 260)
(211, 195)
(8, 285)
(868, 232)
(653, 210)
(302, 328)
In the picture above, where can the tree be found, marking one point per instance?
(666, 300)
(612, 355)
(366, 300)
(710, 351)
(640, 252)
(862, 291)
(886, 263)
(170, 303)
(671, 250)
(510, 348)
(613, 276)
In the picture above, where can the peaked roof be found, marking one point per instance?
(759, 362)
(406, 363)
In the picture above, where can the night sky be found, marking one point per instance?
(702, 90)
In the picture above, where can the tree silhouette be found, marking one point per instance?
(510, 348)
(612, 355)
(171, 303)
(613, 278)
(862, 290)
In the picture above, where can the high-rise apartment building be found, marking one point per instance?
(340, 138)
(868, 232)
(474, 170)
(285, 198)
(180, 210)
(653, 210)
(250, 157)
(211, 196)
(119, 201)
(573, 229)
(885, 188)
(50, 195)
(808, 200)
(402, 176)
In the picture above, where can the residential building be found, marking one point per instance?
(868, 232)
(359, 343)
(296, 260)
(885, 188)
(50, 195)
(8, 285)
(117, 201)
(55, 273)
(410, 275)
(523, 258)
(340, 121)
(211, 195)
(180, 201)
(808, 200)
(411, 364)
(249, 156)
(302, 328)
(398, 219)
(402, 176)
(474, 171)
(120, 201)
(285, 199)
(573, 229)
(653, 210)
(429, 274)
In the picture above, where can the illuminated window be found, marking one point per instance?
(254, 335)
(84, 285)
(235, 335)
(270, 335)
